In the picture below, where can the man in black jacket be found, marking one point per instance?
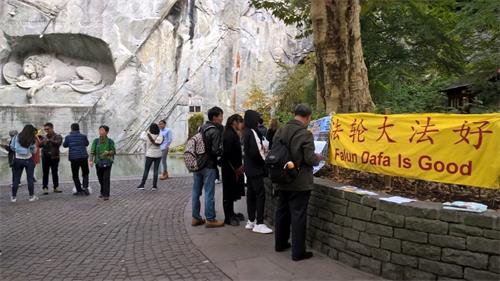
(254, 156)
(205, 178)
(293, 198)
(50, 145)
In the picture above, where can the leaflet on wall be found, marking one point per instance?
(320, 129)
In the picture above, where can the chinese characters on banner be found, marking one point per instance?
(449, 148)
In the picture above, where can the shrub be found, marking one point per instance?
(194, 122)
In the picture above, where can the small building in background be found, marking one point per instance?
(460, 96)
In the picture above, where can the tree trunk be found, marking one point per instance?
(340, 68)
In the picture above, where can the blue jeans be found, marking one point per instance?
(147, 167)
(19, 166)
(204, 179)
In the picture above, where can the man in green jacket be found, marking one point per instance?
(293, 198)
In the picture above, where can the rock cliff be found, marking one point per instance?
(158, 59)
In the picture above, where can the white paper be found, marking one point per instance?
(356, 190)
(319, 146)
(318, 167)
(398, 199)
(465, 206)
(365, 192)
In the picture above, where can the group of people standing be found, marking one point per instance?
(27, 147)
(24, 147)
(238, 142)
(240, 148)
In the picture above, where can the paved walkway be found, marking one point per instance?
(138, 236)
(244, 255)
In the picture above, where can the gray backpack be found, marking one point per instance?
(195, 154)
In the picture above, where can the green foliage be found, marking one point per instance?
(424, 40)
(284, 116)
(178, 149)
(291, 12)
(488, 99)
(479, 26)
(414, 98)
(298, 85)
(410, 44)
(259, 101)
(407, 38)
(405, 42)
(194, 122)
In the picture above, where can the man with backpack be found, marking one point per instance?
(294, 189)
(204, 169)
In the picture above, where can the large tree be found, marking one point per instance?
(341, 74)
(342, 77)
(412, 48)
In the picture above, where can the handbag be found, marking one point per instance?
(103, 163)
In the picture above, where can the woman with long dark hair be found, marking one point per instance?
(233, 185)
(24, 147)
(153, 140)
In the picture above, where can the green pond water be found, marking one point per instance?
(124, 166)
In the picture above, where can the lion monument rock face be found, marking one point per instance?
(45, 70)
(130, 63)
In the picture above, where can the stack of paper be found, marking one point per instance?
(356, 190)
(398, 199)
(465, 206)
(318, 167)
(319, 146)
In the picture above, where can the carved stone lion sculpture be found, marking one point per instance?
(46, 70)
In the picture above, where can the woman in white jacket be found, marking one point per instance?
(153, 140)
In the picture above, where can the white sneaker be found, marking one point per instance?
(250, 225)
(218, 182)
(13, 199)
(262, 228)
(33, 198)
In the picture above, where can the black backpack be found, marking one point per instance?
(276, 163)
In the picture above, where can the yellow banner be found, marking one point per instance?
(450, 148)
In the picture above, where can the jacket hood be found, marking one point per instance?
(252, 119)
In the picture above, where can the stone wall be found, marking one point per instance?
(414, 241)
